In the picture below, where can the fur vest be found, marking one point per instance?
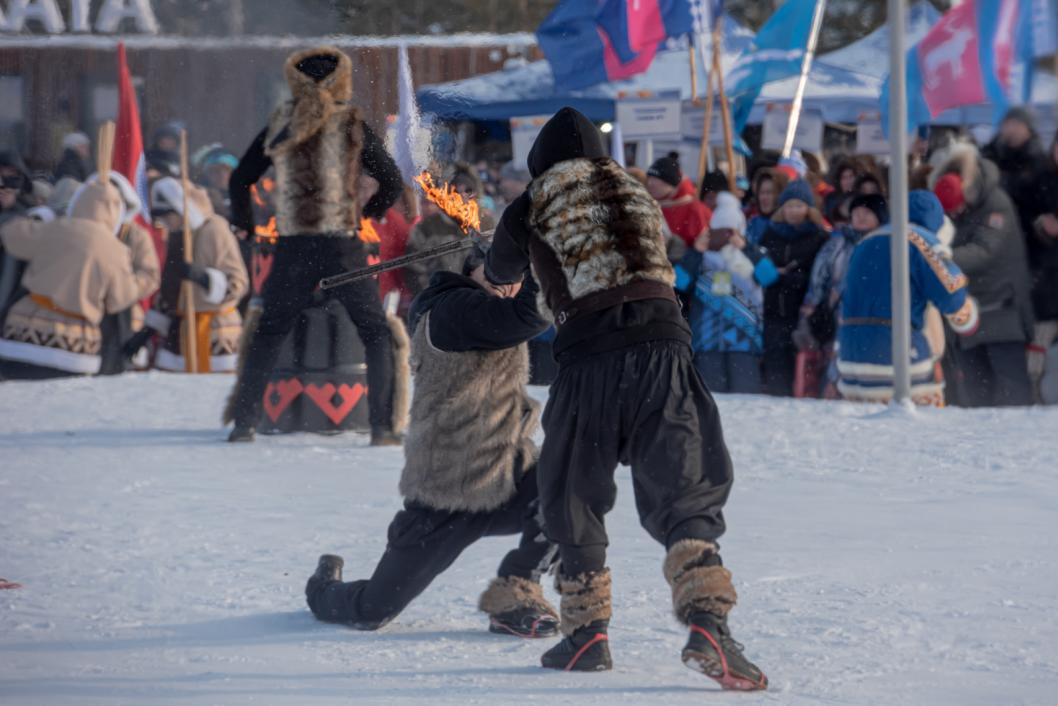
(314, 141)
(594, 228)
(472, 423)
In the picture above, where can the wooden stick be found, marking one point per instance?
(105, 151)
(707, 126)
(694, 73)
(190, 333)
(725, 111)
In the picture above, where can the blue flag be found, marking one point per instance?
(776, 53)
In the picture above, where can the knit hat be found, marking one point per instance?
(167, 194)
(728, 214)
(949, 190)
(924, 209)
(667, 169)
(875, 203)
(75, 139)
(795, 162)
(714, 181)
(800, 190)
(1023, 116)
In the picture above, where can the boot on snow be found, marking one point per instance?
(385, 437)
(328, 570)
(242, 434)
(524, 622)
(586, 650)
(712, 651)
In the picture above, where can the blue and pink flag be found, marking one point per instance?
(979, 52)
(593, 41)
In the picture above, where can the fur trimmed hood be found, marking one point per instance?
(979, 175)
(314, 102)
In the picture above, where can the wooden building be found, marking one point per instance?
(222, 89)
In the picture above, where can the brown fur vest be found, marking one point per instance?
(471, 422)
(594, 228)
(315, 141)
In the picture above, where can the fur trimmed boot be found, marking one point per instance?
(586, 611)
(516, 606)
(702, 596)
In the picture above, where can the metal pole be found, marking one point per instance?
(806, 66)
(901, 317)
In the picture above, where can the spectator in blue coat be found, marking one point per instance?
(725, 278)
(865, 361)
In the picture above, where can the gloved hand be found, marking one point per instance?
(194, 273)
(803, 338)
(137, 341)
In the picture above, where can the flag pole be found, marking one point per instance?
(189, 335)
(802, 81)
(901, 294)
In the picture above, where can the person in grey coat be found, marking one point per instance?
(988, 368)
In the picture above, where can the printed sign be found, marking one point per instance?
(643, 118)
(28, 15)
(1045, 27)
(523, 134)
(870, 138)
(809, 136)
(694, 119)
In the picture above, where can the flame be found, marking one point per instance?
(267, 233)
(464, 212)
(367, 232)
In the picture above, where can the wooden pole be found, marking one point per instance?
(105, 151)
(189, 336)
(694, 73)
(725, 111)
(703, 155)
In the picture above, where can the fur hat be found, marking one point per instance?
(320, 79)
(167, 194)
(800, 190)
(875, 203)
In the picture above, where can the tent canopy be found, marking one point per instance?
(530, 89)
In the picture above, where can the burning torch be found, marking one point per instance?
(465, 213)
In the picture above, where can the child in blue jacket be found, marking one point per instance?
(725, 277)
(865, 361)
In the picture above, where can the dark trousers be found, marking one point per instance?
(644, 406)
(729, 371)
(300, 262)
(780, 357)
(422, 543)
(991, 375)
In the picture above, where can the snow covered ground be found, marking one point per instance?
(881, 558)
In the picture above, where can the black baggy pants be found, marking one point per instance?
(300, 262)
(422, 543)
(644, 406)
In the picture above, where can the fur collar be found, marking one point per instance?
(313, 104)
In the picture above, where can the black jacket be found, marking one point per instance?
(989, 249)
(570, 135)
(792, 249)
(72, 165)
(374, 159)
(464, 317)
(1019, 171)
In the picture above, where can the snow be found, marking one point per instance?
(880, 557)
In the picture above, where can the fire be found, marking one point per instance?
(267, 233)
(367, 233)
(464, 212)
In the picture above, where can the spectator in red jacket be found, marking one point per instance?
(687, 217)
(393, 230)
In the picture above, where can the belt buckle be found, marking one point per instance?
(563, 317)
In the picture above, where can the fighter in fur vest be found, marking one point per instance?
(627, 392)
(469, 462)
(319, 146)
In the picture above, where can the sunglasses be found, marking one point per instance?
(13, 181)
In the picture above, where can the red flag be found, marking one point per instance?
(128, 156)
